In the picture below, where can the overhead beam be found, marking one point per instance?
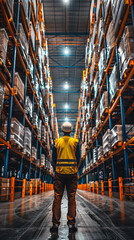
(67, 33)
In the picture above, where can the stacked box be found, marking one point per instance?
(83, 150)
(2, 92)
(18, 87)
(96, 85)
(103, 103)
(34, 154)
(44, 134)
(94, 131)
(30, 67)
(100, 33)
(98, 9)
(94, 62)
(97, 116)
(10, 4)
(36, 85)
(106, 139)
(47, 164)
(113, 83)
(90, 135)
(28, 107)
(116, 133)
(95, 155)
(39, 128)
(25, 7)
(4, 189)
(34, 6)
(126, 48)
(23, 39)
(102, 65)
(32, 35)
(35, 120)
(110, 38)
(27, 142)
(16, 132)
(3, 44)
(43, 160)
(107, 4)
(100, 152)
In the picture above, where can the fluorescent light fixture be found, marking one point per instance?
(66, 119)
(66, 106)
(66, 86)
(66, 51)
(66, 1)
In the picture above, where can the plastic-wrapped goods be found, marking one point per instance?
(94, 131)
(106, 139)
(44, 134)
(100, 153)
(34, 6)
(96, 85)
(97, 116)
(92, 11)
(27, 142)
(3, 44)
(100, 33)
(10, 4)
(90, 135)
(18, 87)
(92, 104)
(90, 52)
(102, 65)
(94, 62)
(43, 160)
(16, 132)
(25, 7)
(36, 85)
(34, 154)
(32, 35)
(113, 83)
(94, 33)
(23, 39)
(110, 38)
(2, 92)
(95, 155)
(28, 107)
(40, 100)
(39, 128)
(126, 48)
(83, 150)
(107, 4)
(104, 103)
(116, 133)
(98, 9)
(35, 120)
(47, 164)
(30, 67)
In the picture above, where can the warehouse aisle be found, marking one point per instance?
(98, 217)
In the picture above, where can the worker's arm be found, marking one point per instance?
(78, 153)
(54, 155)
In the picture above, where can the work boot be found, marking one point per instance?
(54, 228)
(72, 228)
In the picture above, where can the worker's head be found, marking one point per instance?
(67, 128)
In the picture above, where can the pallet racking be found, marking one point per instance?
(118, 160)
(23, 22)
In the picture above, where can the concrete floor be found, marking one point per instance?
(98, 217)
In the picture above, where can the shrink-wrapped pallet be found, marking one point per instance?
(110, 38)
(100, 152)
(2, 92)
(96, 85)
(106, 139)
(102, 65)
(98, 9)
(28, 107)
(104, 103)
(10, 4)
(18, 87)
(34, 6)
(94, 131)
(34, 154)
(16, 132)
(107, 4)
(36, 85)
(47, 164)
(113, 83)
(3, 44)
(25, 4)
(117, 136)
(90, 52)
(95, 155)
(32, 35)
(44, 134)
(100, 33)
(94, 33)
(98, 116)
(43, 160)
(92, 11)
(23, 39)
(126, 48)
(30, 67)
(27, 142)
(35, 120)
(39, 128)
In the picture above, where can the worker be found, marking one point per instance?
(66, 156)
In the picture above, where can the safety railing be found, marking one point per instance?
(122, 188)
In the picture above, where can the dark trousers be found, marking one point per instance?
(60, 181)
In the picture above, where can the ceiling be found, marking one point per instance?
(67, 25)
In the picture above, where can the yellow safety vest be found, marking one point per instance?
(66, 159)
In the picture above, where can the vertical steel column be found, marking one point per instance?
(11, 96)
(122, 118)
(29, 174)
(104, 172)
(35, 173)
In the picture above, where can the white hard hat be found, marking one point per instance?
(67, 127)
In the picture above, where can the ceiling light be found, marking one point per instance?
(66, 1)
(66, 119)
(66, 86)
(66, 106)
(66, 51)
